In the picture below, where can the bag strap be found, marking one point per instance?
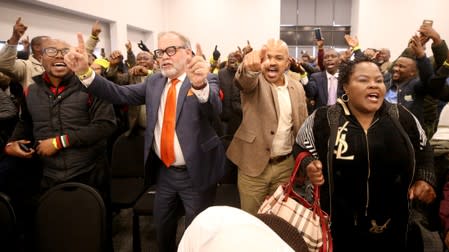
(315, 206)
(298, 161)
(288, 188)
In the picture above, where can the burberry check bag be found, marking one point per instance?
(311, 221)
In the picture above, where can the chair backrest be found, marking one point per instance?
(7, 223)
(127, 156)
(71, 217)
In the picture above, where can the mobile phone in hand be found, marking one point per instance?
(24, 147)
(318, 35)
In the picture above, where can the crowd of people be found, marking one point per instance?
(375, 129)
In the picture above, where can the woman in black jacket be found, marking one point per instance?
(372, 159)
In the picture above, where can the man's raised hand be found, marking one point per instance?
(77, 59)
(247, 49)
(17, 32)
(197, 69)
(96, 29)
(352, 41)
(253, 60)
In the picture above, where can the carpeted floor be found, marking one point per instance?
(122, 232)
(227, 194)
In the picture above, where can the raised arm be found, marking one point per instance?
(439, 47)
(353, 43)
(9, 52)
(130, 57)
(423, 63)
(93, 39)
(77, 59)
(248, 72)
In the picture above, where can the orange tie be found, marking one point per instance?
(168, 126)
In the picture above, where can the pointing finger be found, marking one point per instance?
(18, 20)
(80, 41)
(199, 52)
(247, 42)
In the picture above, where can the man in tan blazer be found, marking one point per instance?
(274, 107)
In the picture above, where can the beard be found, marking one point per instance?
(174, 70)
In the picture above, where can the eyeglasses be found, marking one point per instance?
(53, 51)
(170, 51)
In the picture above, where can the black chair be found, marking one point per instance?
(127, 165)
(8, 232)
(143, 207)
(71, 217)
(227, 195)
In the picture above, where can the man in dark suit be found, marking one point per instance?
(323, 86)
(198, 162)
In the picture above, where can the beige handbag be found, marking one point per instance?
(311, 221)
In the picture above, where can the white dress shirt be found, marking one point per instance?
(332, 86)
(283, 140)
(202, 96)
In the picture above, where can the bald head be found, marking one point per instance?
(277, 44)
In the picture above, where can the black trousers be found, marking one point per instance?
(173, 190)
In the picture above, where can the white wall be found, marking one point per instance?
(42, 21)
(226, 23)
(390, 24)
(141, 14)
(120, 20)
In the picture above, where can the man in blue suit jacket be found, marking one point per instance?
(199, 154)
(318, 87)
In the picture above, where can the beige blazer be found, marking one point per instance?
(251, 146)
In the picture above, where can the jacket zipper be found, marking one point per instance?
(369, 168)
(368, 176)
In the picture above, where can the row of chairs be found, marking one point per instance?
(8, 232)
(127, 186)
(66, 210)
(70, 217)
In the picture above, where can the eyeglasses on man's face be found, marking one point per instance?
(53, 51)
(170, 51)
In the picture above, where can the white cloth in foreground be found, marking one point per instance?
(224, 228)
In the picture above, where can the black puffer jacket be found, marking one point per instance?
(9, 112)
(84, 120)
